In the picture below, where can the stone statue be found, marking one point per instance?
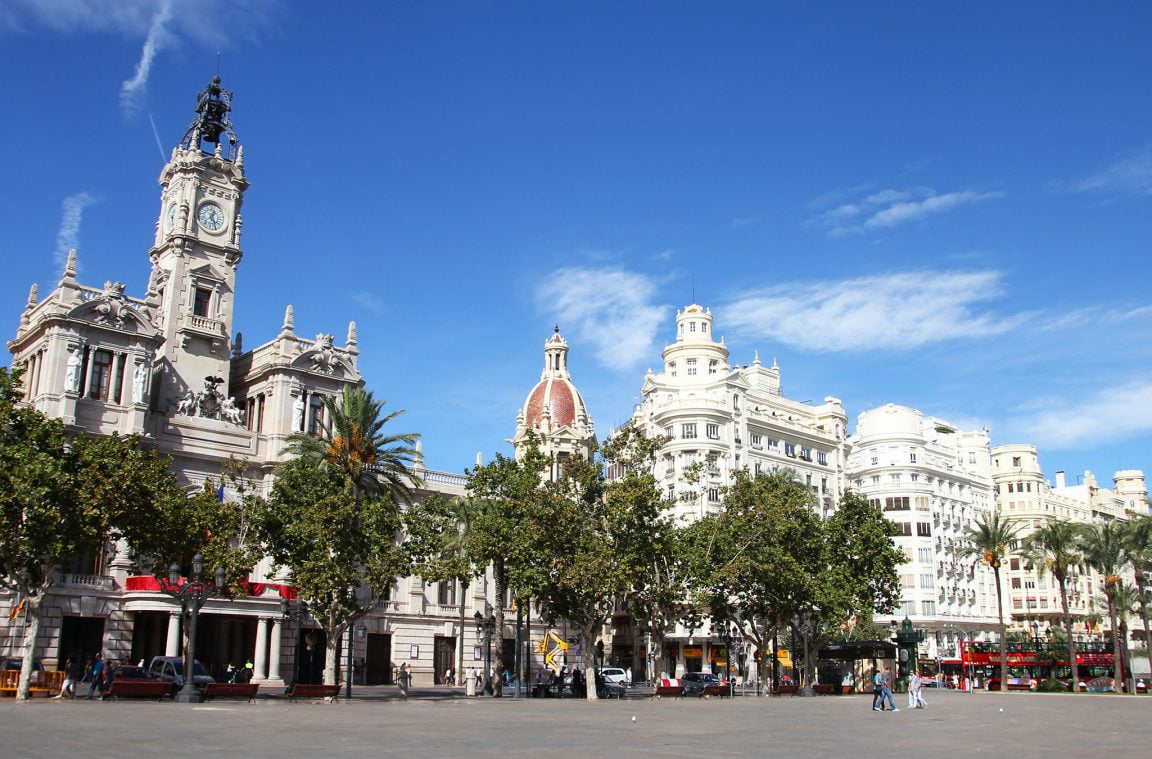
(298, 414)
(139, 378)
(229, 412)
(187, 405)
(72, 378)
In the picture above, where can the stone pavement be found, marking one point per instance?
(954, 725)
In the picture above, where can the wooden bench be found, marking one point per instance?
(230, 690)
(668, 688)
(138, 688)
(720, 691)
(309, 690)
(786, 690)
(825, 689)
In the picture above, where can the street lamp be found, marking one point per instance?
(908, 643)
(805, 622)
(486, 628)
(192, 594)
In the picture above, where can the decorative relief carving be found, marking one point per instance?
(210, 403)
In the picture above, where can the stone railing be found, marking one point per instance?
(443, 478)
(206, 324)
(97, 582)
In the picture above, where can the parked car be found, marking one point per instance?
(694, 682)
(15, 662)
(130, 672)
(614, 675)
(171, 669)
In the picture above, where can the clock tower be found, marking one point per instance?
(196, 252)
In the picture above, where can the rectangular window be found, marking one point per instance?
(202, 301)
(790, 449)
(924, 529)
(905, 528)
(690, 364)
(672, 368)
(756, 441)
(912, 458)
(713, 495)
(446, 593)
(896, 503)
(972, 457)
(929, 608)
(925, 555)
(908, 608)
(1016, 463)
(688, 431)
(756, 468)
(823, 484)
(927, 581)
(713, 366)
(713, 431)
(806, 453)
(908, 582)
(822, 458)
(671, 494)
(101, 375)
(875, 460)
(922, 503)
(1014, 564)
(1016, 583)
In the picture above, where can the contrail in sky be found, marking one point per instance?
(156, 134)
(68, 235)
(158, 36)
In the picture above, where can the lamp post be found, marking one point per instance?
(192, 594)
(969, 634)
(805, 623)
(486, 628)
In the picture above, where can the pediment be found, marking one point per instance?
(113, 312)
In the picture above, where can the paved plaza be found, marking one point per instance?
(955, 724)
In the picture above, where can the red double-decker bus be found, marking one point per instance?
(1029, 664)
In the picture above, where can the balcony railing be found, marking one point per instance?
(97, 582)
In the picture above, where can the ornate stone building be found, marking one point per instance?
(168, 366)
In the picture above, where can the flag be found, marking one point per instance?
(220, 493)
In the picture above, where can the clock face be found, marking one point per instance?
(170, 220)
(210, 217)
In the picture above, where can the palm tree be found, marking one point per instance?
(1055, 547)
(1127, 599)
(352, 439)
(1104, 552)
(1136, 538)
(991, 538)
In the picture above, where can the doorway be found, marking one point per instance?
(378, 659)
(444, 657)
(310, 651)
(81, 638)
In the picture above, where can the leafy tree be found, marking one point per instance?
(1103, 549)
(62, 496)
(1055, 547)
(860, 575)
(758, 561)
(990, 537)
(502, 490)
(352, 439)
(590, 543)
(343, 549)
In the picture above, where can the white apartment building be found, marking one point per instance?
(933, 481)
(721, 418)
(1023, 494)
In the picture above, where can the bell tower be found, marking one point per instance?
(197, 250)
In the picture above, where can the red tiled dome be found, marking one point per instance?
(560, 398)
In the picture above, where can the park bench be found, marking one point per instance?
(138, 688)
(309, 690)
(671, 688)
(720, 691)
(786, 690)
(825, 689)
(230, 690)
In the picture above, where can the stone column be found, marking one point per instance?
(172, 645)
(260, 672)
(274, 653)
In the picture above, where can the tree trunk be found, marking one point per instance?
(32, 608)
(333, 631)
(1117, 652)
(460, 653)
(586, 633)
(1003, 632)
(1068, 631)
(500, 580)
(1142, 587)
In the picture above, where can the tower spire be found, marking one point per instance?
(213, 105)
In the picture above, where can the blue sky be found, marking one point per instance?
(939, 205)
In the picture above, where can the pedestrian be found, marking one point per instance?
(97, 676)
(886, 690)
(916, 692)
(448, 676)
(877, 691)
(68, 687)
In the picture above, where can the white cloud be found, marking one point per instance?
(1129, 173)
(68, 234)
(889, 208)
(1107, 416)
(371, 302)
(158, 37)
(611, 309)
(897, 311)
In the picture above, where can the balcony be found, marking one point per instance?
(87, 582)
